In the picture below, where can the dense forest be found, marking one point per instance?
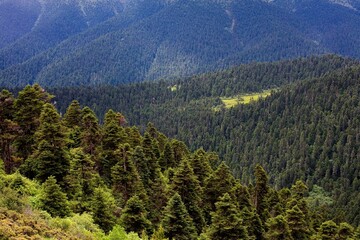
(91, 42)
(69, 177)
(310, 124)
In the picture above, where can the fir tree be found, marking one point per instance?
(53, 200)
(328, 230)
(50, 157)
(28, 106)
(176, 222)
(277, 229)
(219, 183)
(126, 181)
(103, 206)
(201, 166)
(9, 130)
(134, 216)
(261, 191)
(346, 231)
(90, 131)
(298, 226)
(226, 221)
(186, 184)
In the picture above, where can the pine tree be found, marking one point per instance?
(226, 221)
(103, 206)
(50, 157)
(219, 183)
(159, 234)
(126, 181)
(72, 116)
(28, 106)
(9, 130)
(53, 200)
(90, 131)
(277, 229)
(261, 191)
(328, 230)
(167, 159)
(134, 216)
(176, 222)
(298, 226)
(81, 180)
(346, 231)
(186, 184)
(201, 166)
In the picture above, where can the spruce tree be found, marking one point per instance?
(72, 116)
(201, 166)
(186, 184)
(328, 230)
(219, 183)
(28, 106)
(126, 181)
(226, 221)
(346, 231)
(298, 226)
(9, 130)
(134, 216)
(102, 208)
(90, 131)
(277, 229)
(50, 157)
(261, 192)
(53, 200)
(177, 222)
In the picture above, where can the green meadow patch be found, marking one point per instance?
(245, 98)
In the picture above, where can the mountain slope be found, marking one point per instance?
(164, 39)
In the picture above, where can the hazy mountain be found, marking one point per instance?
(73, 45)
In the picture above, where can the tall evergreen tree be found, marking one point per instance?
(126, 181)
(298, 226)
(261, 191)
(177, 222)
(219, 183)
(134, 216)
(50, 157)
(53, 200)
(103, 207)
(90, 131)
(277, 228)
(226, 221)
(9, 130)
(28, 106)
(201, 166)
(186, 184)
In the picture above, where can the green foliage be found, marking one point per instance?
(53, 200)
(328, 230)
(103, 207)
(226, 221)
(134, 216)
(277, 228)
(177, 222)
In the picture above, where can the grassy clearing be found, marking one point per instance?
(244, 98)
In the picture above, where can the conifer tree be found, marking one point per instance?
(159, 234)
(186, 184)
(28, 106)
(297, 223)
(141, 164)
(9, 129)
(81, 180)
(53, 200)
(226, 221)
(219, 183)
(201, 166)
(328, 230)
(346, 231)
(90, 131)
(126, 181)
(72, 116)
(176, 222)
(180, 151)
(50, 157)
(261, 191)
(277, 229)
(134, 216)
(167, 159)
(103, 206)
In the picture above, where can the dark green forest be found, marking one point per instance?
(69, 177)
(309, 122)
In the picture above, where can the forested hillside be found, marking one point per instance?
(310, 124)
(70, 178)
(90, 42)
